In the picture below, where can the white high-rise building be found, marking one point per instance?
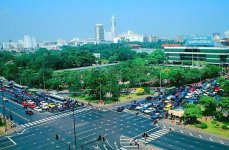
(113, 25)
(27, 42)
(227, 34)
(216, 37)
(99, 32)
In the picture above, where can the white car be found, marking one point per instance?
(44, 107)
(43, 103)
(38, 109)
(30, 102)
(149, 110)
(187, 97)
(138, 107)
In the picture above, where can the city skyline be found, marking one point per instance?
(66, 20)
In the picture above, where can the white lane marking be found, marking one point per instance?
(105, 147)
(12, 141)
(190, 133)
(181, 131)
(23, 126)
(221, 142)
(211, 139)
(200, 136)
(115, 144)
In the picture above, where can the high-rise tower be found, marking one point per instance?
(113, 25)
(99, 32)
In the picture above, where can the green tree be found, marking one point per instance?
(225, 87)
(192, 112)
(209, 105)
(157, 57)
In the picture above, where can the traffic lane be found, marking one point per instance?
(36, 138)
(20, 112)
(175, 141)
(198, 142)
(17, 118)
(5, 143)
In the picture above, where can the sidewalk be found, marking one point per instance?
(166, 123)
(9, 130)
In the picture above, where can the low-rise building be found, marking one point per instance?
(198, 49)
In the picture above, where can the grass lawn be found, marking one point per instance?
(213, 128)
(129, 97)
(122, 98)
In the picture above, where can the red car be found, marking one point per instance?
(28, 94)
(11, 91)
(32, 106)
(3, 89)
(25, 104)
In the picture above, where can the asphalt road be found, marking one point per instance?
(18, 113)
(117, 128)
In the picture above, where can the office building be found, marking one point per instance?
(99, 32)
(198, 50)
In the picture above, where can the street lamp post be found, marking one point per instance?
(74, 123)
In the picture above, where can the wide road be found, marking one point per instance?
(17, 111)
(117, 128)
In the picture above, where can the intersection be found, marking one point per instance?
(117, 128)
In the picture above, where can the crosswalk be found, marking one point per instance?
(34, 123)
(154, 135)
(125, 143)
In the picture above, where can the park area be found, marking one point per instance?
(207, 124)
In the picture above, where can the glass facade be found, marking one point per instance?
(211, 55)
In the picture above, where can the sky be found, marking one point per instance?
(66, 19)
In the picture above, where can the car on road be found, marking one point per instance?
(120, 109)
(150, 109)
(38, 109)
(43, 103)
(51, 105)
(131, 107)
(24, 103)
(44, 107)
(5, 99)
(29, 112)
(32, 106)
(156, 116)
(30, 102)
